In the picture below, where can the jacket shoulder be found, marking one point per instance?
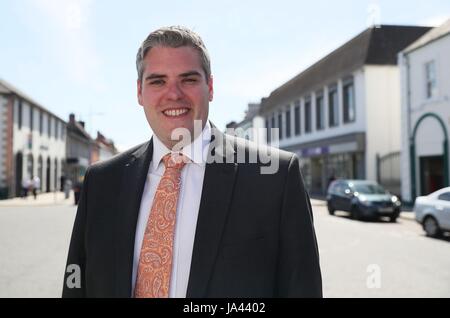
(120, 159)
(250, 147)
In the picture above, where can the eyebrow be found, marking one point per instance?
(159, 76)
(190, 73)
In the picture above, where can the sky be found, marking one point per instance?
(78, 56)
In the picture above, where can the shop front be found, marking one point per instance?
(335, 158)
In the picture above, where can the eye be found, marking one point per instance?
(190, 80)
(158, 82)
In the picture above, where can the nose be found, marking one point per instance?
(174, 92)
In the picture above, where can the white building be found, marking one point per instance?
(252, 127)
(425, 70)
(32, 143)
(342, 114)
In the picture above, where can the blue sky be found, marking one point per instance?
(79, 55)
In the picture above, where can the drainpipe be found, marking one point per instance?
(408, 129)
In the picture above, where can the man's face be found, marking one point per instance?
(174, 91)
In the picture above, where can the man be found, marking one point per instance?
(154, 224)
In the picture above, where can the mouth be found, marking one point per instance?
(176, 112)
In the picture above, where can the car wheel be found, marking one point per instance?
(431, 227)
(393, 219)
(331, 210)
(355, 213)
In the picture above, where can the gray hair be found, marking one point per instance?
(173, 36)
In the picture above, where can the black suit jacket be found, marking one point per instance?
(254, 235)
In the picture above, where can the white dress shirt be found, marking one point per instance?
(187, 208)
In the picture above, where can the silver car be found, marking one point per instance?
(433, 212)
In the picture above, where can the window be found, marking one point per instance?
(288, 123)
(320, 119)
(272, 126)
(19, 115)
(333, 107)
(430, 71)
(31, 118)
(297, 117)
(268, 129)
(280, 125)
(349, 102)
(41, 122)
(308, 113)
(63, 130)
(444, 196)
(56, 128)
(49, 127)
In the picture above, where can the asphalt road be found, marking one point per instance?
(358, 259)
(380, 259)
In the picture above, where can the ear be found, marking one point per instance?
(139, 92)
(211, 88)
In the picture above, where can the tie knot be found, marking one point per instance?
(175, 160)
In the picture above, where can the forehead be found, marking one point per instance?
(167, 59)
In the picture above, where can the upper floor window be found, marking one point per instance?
(280, 126)
(288, 123)
(56, 128)
(268, 129)
(273, 126)
(297, 117)
(320, 112)
(19, 115)
(63, 130)
(49, 127)
(430, 73)
(41, 122)
(308, 113)
(349, 102)
(333, 107)
(31, 118)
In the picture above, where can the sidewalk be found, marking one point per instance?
(406, 214)
(44, 199)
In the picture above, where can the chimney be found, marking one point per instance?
(72, 118)
(81, 123)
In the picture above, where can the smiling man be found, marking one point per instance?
(163, 220)
(174, 90)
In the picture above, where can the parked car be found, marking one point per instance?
(433, 212)
(363, 199)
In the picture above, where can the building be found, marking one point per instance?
(106, 147)
(80, 149)
(252, 127)
(425, 78)
(342, 114)
(32, 143)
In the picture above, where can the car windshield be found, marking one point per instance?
(368, 188)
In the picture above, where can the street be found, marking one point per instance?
(358, 259)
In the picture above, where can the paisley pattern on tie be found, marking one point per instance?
(155, 261)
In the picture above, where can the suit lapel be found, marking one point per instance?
(132, 186)
(217, 191)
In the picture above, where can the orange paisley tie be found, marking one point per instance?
(155, 261)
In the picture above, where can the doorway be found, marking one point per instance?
(19, 174)
(431, 174)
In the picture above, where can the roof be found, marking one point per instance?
(78, 129)
(6, 88)
(374, 46)
(430, 36)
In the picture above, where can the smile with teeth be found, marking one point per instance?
(175, 112)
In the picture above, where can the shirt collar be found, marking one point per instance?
(195, 151)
